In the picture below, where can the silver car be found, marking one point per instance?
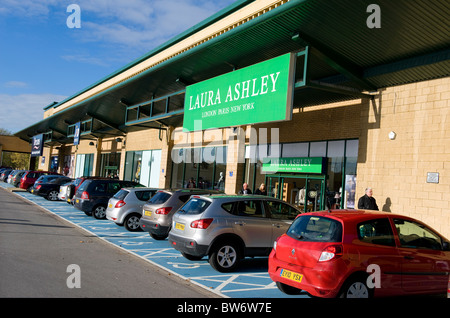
(157, 213)
(125, 207)
(227, 228)
(62, 195)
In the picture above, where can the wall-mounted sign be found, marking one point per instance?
(296, 165)
(259, 93)
(37, 145)
(432, 177)
(76, 137)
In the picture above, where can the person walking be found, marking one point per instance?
(261, 190)
(245, 189)
(367, 201)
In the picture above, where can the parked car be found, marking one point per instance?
(30, 177)
(157, 213)
(13, 172)
(62, 195)
(72, 189)
(15, 180)
(352, 253)
(125, 207)
(227, 228)
(4, 175)
(93, 195)
(49, 188)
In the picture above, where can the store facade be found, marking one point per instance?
(256, 94)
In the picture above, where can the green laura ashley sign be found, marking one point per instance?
(299, 165)
(259, 93)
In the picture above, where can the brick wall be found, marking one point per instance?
(419, 114)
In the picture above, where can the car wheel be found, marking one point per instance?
(131, 222)
(288, 290)
(356, 288)
(225, 257)
(52, 195)
(99, 212)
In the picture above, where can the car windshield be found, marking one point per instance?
(160, 198)
(194, 206)
(312, 228)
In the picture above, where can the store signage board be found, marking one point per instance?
(259, 93)
(37, 145)
(295, 165)
(76, 137)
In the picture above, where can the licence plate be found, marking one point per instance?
(179, 226)
(110, 205)
(77, 200)
(147, 213)
(291, 275)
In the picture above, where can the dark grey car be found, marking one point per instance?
(227, 228)
(157, 213)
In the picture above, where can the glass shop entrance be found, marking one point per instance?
(305, 191)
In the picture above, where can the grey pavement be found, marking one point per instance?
(37, 247)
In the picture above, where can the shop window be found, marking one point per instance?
(109, 165)
(342, 156)
(295, 150)
(318, 149)
(84, 165)
(203, 168)
(143, 167)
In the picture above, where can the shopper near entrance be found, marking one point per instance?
(245, 189)
(261, 190)
(367, 201)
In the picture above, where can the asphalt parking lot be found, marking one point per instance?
(251, 280)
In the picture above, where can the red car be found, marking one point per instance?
(350, 253)
(30, 177)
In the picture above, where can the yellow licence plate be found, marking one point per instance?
(291, 275)
(179, 226)
(147, 213)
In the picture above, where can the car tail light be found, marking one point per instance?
(201, 224)
(85, 195)
(120, 204)
(164, 211)
(38, 187)
(331, 252)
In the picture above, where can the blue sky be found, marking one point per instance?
(43, 60)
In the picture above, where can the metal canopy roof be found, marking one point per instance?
(413, 44)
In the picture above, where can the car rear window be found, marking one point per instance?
(121, 194)
(160, 197)
(143, 195)
(84, 185)
(194, 206)
(310, 228)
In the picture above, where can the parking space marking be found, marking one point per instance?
(250, 281)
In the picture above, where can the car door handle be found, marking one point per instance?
(239, 223)
(277, 225)
(408, 257)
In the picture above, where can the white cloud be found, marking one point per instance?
(15, 84)
(139, 24)
(24, 110)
